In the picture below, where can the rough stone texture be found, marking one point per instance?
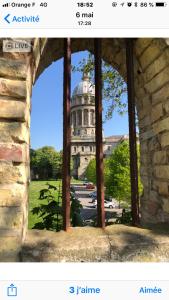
(14, 132)
(12, 68)
(115, 243)
(12, 88)
(12, 109)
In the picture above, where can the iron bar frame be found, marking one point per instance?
(66, 134)
(132, 132)
(99, 135)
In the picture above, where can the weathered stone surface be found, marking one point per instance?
(114, 244)
(163, 188)
(12, 195)
(14, 132)
(11, 217)
(142, 44)
(12, 109)
(166, 107)
(165, 139)
(157, 112)
(11, 153)
(162, 172)
(161, 95)
(160, 157)
(12, 68)
(147, 135)
(157, 66)
(151, 53)
(158, 81)
(161, 125)
(79, 244)
(13, 174)
(13, 88)
(166, 205)
(10, 247)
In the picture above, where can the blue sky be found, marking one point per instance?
(47, 99)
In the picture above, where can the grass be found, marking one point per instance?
(34, 201)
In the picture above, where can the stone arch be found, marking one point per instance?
(17, 74)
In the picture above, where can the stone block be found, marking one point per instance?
(156, 112)
(12, 109)
(12, 68)
(9, 248)
(11, 217)
(13, 174)
(12, 195)
(161, 95)
(13, 88)
(151, 53)
(146, 135)
(157, 66)
(165, 205)
(158, 81)
(14, 132)
(160, 157)
(161, 125)
(12, 153)
(141, 45)
(166, 107)
(165, 139)
(163, 188)
(162, 172)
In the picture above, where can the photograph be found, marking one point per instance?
(84, 149)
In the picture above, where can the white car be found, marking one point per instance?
(107, 204)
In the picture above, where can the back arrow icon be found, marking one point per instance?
(6, 18)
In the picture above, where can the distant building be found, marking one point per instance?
(83, 147)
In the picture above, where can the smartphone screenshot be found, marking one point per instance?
(84, 149)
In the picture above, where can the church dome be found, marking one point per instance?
(84, 87)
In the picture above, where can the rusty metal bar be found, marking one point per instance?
(132, 132)
(66, 135)
(99, 138)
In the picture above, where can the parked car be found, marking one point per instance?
(90, 186)
(107, 204)
(93, 194)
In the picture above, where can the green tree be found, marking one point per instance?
(116, 173)
(118, 179)
(114, 87)
(46, 162)
(91, 171)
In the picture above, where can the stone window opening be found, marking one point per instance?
(155, 88)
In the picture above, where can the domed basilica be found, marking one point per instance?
(83, 147)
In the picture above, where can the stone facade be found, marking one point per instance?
(17, 74)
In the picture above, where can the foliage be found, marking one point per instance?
(91, 171)
(75, 212)
(114, 87)
(50, 214)
(116, 173)
(49, 211)
(46, 162)
(125, 218)
(118, 181)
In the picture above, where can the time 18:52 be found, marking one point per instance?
(85, 4)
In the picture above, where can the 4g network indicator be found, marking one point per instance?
(74, 14)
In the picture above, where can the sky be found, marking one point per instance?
(47, 111)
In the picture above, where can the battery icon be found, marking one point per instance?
(160, 4)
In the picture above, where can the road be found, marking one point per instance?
(89, 212)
